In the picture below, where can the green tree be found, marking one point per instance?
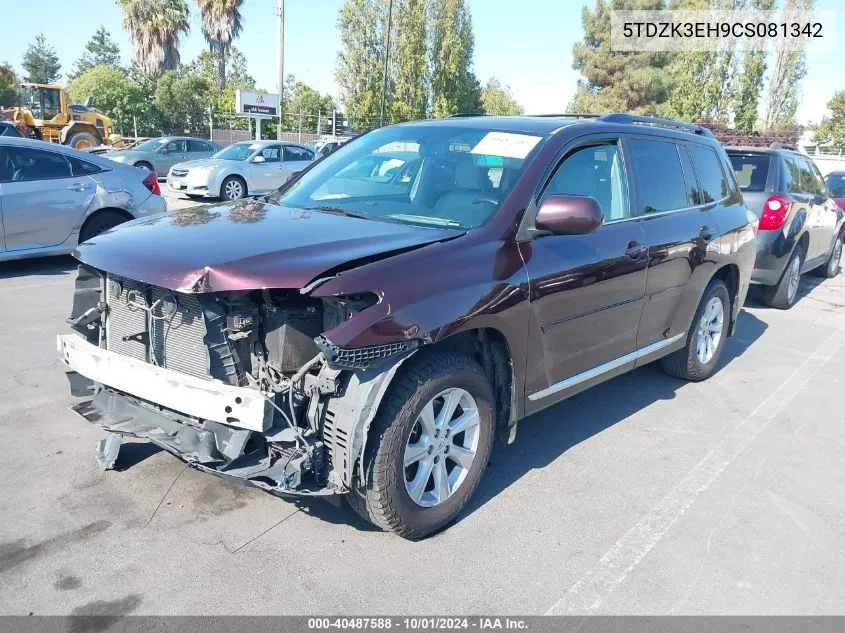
(409, 63)
(113, 92)
(361, 26)
(300, 98)
(455, 88)
(831, 131)
(789, 69)
(154, 28)
(221, 24)
(8, 85)
(617, 81)
(40, 62)
(101, 50)
(183, 101)
(497, 99)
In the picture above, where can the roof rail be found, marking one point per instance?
(632, 119)
(571, 115)
(794, 148)
(463, 115)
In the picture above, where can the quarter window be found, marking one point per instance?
(711, 178)
(83, 168)
(660, 179)
(809, 183)
(596, 171)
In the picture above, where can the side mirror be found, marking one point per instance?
(258, 159)
(569, 215)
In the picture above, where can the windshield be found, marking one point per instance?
(836, 184)
(440, 175)
(752, 170)
(238, 151)
(150, 145)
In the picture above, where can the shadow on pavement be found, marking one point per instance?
(548, 434)
(41, 266)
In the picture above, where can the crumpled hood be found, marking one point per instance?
(245, 246)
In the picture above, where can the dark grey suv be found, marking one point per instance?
(800, 224)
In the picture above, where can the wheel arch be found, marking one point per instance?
(729, 275)
(99, 212)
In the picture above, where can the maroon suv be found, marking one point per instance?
(369, 328)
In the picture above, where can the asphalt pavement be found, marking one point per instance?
(645, 495)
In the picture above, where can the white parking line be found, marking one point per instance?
(593, 588)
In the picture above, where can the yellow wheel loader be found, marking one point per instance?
(46, 113)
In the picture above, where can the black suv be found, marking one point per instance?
(800, 224)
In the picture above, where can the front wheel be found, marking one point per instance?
(233, 188)
(428, 446)
(706, 338)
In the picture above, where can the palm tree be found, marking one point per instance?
(221, 23)
(154, 28)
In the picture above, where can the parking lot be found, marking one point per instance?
(645, 495)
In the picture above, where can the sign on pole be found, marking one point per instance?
(256, 104)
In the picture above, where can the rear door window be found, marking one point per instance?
(660, 180)
(25, 165)
(198, 146)
(791, 175)
(711, 178)
(751, 170)
(292, 152)
(809, 183)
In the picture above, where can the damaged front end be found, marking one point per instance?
(243, 384)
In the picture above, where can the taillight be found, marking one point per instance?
(774, 215)
(151, 183)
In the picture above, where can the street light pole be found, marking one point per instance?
(386, 58)
(280, 80)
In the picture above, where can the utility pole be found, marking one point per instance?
(280, 82)
(386, 58)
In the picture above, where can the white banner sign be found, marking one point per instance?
(258, 104)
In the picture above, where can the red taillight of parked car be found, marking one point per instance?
(151, 183)
(774, 215)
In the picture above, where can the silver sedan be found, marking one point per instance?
(252, 167)
(160, 154)
(53, 197)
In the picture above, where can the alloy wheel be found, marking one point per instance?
(709, 332)
(441, 447)
(837, 255)
(794, 278)
(233, 190)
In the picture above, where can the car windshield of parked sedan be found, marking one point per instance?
(238, 151)
(441, 175)
(149, 145)
(836, 184)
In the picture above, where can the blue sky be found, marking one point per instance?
(526, 44)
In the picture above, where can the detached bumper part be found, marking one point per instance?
(362, 357)
(238, 455)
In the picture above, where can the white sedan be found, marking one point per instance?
(241, 169)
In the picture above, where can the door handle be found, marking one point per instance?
(635, 250)
(706, 233)
(77, 186)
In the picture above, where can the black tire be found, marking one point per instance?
(227, 188)
(99, 223)
(685, 363)
(832, 264)
(81, 140)
(142, 164)
(383, 498)
(780, 295)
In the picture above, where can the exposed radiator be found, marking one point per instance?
(177, 337)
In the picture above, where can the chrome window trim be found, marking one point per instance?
(604, 368)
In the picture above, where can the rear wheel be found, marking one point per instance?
(706, 338)
(428, 446)
(783, 294)
(831, 267)
(233, 188)
(82, 140)
(99, 223)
